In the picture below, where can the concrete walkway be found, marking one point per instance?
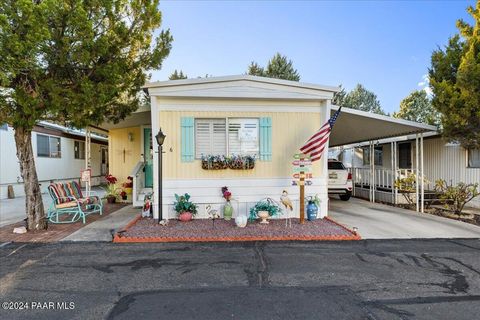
(102, 230)
(13, 210)
(378, 221)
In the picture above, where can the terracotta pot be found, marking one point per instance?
(111, 199)
(185, 216)
(264, 215)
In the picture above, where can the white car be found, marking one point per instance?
(339, 180)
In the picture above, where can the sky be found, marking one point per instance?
(384, 45)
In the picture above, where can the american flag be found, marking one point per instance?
(316, 144)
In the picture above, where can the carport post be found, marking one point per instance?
(423, 177)
(392, 181)
(395, 172)
(416, 174)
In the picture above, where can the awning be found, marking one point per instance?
(354, 126)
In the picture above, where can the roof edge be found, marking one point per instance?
(171, 83)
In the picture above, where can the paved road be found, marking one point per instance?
(372, 279)
(379, 221)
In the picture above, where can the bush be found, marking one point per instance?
(456, 197)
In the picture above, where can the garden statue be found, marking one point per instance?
(212, 213)
(285, 200)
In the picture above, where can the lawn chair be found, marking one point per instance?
(69, 200)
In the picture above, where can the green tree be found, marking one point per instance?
(278, 66)
(362, 99)
(455, 82)
(418, 107)
(177, 75)
(254, 69)
(339, 97)
(75, 62)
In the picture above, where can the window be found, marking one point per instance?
(4, 127)
(243, 136)
(48, 146)
(473, 158)
(211, 136)
(378, 156)
(335, 165)
(79, 149)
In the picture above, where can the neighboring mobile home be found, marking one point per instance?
(442, 160)
(59, 156)
(247, 115)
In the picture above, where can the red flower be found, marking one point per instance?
(110, 179)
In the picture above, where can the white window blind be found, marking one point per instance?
(210, 137)
(48, 146)
(243, 136)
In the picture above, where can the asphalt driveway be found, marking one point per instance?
(378, 221)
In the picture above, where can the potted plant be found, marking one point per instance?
(185, 209)
(227, 208)
(264, 210)
(123, 194)
(128, 185)
(111, 190)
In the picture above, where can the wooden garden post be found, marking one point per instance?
(302, 196)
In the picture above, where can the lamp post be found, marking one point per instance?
(160, 137)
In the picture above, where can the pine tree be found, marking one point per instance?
(362, 99)
(278, 66)
(455, 83)
(177, 75)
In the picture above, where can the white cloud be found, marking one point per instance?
(425, 85)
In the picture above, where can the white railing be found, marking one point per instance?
(383, 178)
(138, 180)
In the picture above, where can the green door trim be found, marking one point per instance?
(147, 153)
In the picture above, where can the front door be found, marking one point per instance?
(148, 157)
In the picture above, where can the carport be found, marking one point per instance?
(355, 126)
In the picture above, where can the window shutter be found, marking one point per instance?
(187, 139)
(266, 139)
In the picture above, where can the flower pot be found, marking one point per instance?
(227, 211)
(264, 215)
(241, 221)
(111, 199)
(312, 211)
(185, 216)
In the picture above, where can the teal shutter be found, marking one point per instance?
(266, 139)
(187, 139)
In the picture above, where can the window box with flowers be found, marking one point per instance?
(235, 162)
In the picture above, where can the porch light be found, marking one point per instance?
(160, 137)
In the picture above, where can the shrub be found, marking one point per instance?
(456, 197)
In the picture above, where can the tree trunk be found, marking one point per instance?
(33, 196)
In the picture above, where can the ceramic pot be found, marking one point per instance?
(111, 199)
(185, 216)
(241, 221)
(227, 211)
(312, 211)
(264, 215)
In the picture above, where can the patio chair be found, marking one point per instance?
(68, 200)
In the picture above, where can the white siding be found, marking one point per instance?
(448, 163)
(66, 167)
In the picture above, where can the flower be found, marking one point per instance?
(226, 194)
(110, 179)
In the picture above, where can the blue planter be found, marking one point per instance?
(312, 211)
